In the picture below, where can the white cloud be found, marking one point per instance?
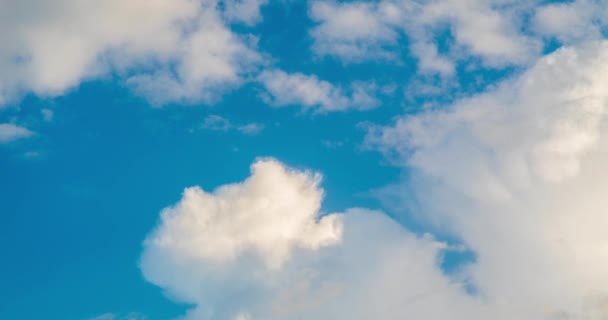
(573, 21)
(212, 58)
(251, 128)
(489, 30)
(518, 174)
(217, 123)
(515, 173)
(284, 89)
(352, 31)
(245, 11)
(50, 47)
(206, 226)
(10, 132)
(261, 249)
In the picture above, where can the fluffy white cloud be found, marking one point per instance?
(518, 174)
(10, 132)
(261, 249)
(245, 217)
(186, 48)
(352, 31)
(284, 89)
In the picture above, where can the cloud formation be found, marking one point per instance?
(261, 249)
(186, 48)
(494, 32)
(217, 123)
(10, 132)
(285, 89)
(516, 173)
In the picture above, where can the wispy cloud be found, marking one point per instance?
(217, 123)
(10, 132)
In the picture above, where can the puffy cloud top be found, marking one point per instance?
(268, 214)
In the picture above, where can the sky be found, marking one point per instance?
(303, 159)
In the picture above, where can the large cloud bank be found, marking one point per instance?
(516, 173)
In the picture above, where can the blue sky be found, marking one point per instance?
(460, 145)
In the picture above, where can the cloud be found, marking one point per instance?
(217, 123)
(10, 132)
(245, 11)
(251, 128)
(572, 22)
(112, 316)
(489, 30)
(516, 174)
(186, 48)
(352, 31)
(284, 89)
(261, 249)
(47, 115)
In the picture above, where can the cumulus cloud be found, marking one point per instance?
(185, 49)
(517, 174)
(261, 249)
(310, 92)
(352, 31)
(10, 132)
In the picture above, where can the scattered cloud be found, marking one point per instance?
(285, 89)
(105, 316)
(493, 31)
(353, 31)
(113, 316)
(332, 144)
(244, 11)
(167, 51)
(251, 128)
(47, 115)
(217, 123)
(10, 132)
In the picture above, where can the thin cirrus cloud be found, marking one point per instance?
(218, 123)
